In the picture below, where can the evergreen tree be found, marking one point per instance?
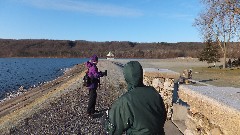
(210, 53)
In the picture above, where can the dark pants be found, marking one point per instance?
(92, 100)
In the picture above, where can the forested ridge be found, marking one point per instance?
(84, 49)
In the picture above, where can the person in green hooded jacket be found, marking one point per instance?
(140, 111)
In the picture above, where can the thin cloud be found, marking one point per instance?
(85, 7)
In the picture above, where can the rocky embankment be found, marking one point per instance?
(66, 114)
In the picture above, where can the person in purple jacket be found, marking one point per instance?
(94, 75)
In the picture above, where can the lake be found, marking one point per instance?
(29, 72)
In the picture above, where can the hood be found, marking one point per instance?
(133, 74)
(94, 58)
(88, 64)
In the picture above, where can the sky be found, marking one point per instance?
(100, 20)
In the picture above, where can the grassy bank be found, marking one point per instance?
(229, 77)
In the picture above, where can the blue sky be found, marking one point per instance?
(100, 20)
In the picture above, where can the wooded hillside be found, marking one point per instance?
(83, 49)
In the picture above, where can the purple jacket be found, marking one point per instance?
(93, 74)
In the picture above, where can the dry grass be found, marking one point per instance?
(218, 77)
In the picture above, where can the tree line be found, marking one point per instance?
(84, 49)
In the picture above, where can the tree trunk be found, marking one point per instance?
(224, 55)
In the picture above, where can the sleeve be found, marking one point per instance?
(120, 118)
(93, 72)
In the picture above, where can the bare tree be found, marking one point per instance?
(219, 22)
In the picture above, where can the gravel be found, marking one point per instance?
(228, 96)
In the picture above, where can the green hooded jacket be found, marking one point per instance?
(140, 111)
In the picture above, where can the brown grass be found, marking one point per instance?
(218, 77)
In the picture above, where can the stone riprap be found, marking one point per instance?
(163, 81)
(213, 110)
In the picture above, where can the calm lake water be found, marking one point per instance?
(27, 72)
